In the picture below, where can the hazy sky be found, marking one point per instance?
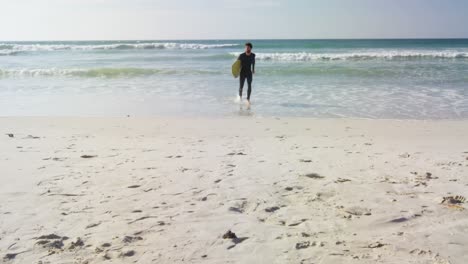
(231, 19)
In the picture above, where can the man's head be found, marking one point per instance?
(248, 47)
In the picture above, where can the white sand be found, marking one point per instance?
(193, 180)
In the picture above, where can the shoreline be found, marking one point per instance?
(165, 190)
(231, 117)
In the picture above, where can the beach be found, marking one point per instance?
(293, 190)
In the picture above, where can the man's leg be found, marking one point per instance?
(249, 82)
(241, 84)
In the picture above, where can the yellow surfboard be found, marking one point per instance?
(236, 68)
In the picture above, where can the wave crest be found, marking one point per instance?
(388, 55)
(116, 46)
(97, 72)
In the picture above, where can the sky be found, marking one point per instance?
(229, 19)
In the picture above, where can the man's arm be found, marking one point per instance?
(253, 64)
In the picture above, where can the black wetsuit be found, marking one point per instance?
(248, 65)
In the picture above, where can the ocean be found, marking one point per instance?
(391, 79)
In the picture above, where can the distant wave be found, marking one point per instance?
(7, 49)
(8, 52)
(99, 72)
(389, 55)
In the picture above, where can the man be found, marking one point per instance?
(248, 69)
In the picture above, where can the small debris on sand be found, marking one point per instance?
(302, 245)
(128, 253)
(130, 239)
(51, 236)
(376, 245)
(405, 155)
(272, 209)
(420, 252)
(10, 256)
(229, 235)
(88, 156)
(458, 199)
(77, 243)
(454, 202)
(10, 135)
(236, 154)
(92, 225)
(298, 222)
(340, 180)
(107, 256)
(314, 176)
(57, 244)
(358, 211)
(52, 241)
(429, 176)
(399, 220)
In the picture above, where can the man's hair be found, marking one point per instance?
(249, 44)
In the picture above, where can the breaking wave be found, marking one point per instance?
(99, 72)
(9, 49)
(388, 55)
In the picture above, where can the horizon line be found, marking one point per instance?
(243, 39)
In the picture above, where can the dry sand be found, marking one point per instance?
(110, 190)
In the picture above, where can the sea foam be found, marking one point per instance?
(99, 72)
(365, 55)
(10, 49)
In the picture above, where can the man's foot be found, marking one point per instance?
(238, 99)
(248, 102)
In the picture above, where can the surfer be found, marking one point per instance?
(248, 69)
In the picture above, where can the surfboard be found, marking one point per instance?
(236, 68)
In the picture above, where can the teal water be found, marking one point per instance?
(403, 79)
